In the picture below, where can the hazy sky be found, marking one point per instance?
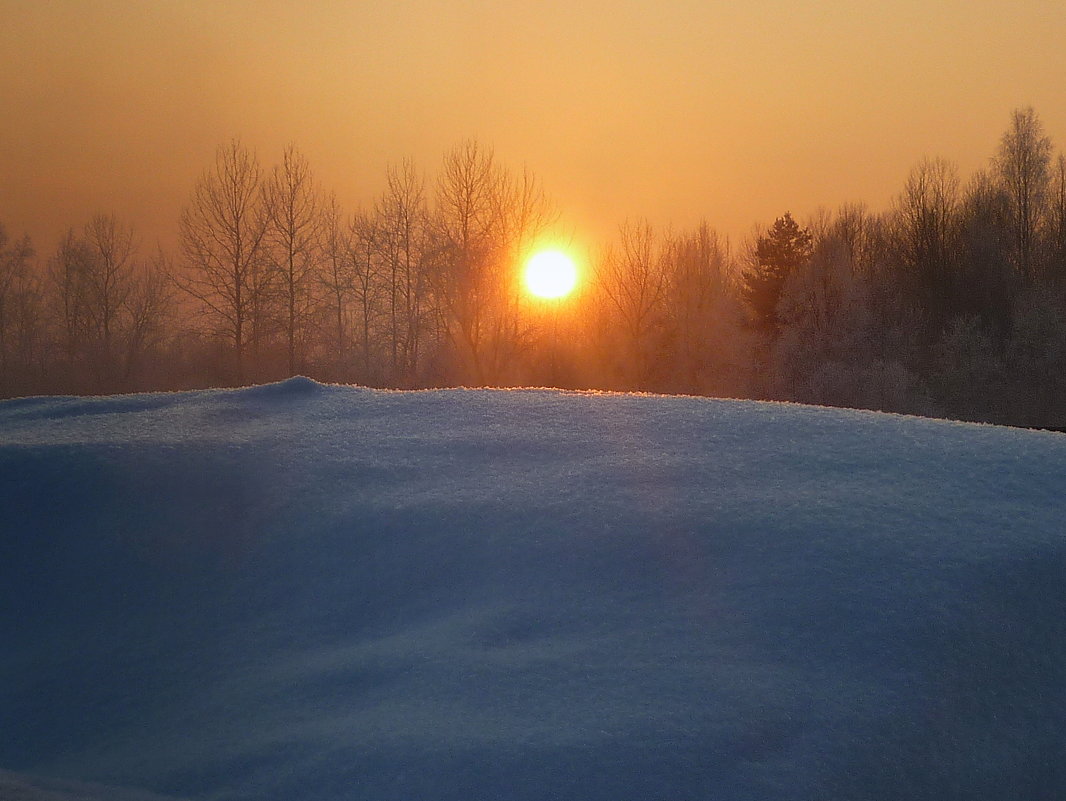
(674, 111)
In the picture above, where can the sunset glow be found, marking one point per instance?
(550, 274)
(360, 85)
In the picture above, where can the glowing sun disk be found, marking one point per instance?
(550, 274)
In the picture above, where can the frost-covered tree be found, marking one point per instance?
(965, 375)
(986, 282)
(846, 338)
(708, 348)
(1034, 357)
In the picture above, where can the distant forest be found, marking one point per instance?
(950, 303)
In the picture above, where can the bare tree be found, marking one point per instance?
(222, 237)
(364, 267)
(402, 238)
(1023, 165)
(854, 230)
(925, 212)
(111, 250)
(68, 283)
(294, 206)
(336, 278)
(14, 260)
(632, 278)
(147, 307)
(1057, 223)
(924, 227)
(703, 313)
(467, 228)
(525, 213)
(19, 297)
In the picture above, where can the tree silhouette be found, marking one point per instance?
(222, 235)
(924, 224)
(17, 292)
(402, 225)
(632, 278)
(1024, 166)
(784, 248)
(294, 209)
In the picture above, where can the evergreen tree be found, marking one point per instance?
(783, 249)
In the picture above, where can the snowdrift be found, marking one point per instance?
(299, 591)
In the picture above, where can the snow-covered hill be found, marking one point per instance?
(298, 591)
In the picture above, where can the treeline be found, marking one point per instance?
(952, 302)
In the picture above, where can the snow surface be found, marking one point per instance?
(19, 787)
(300, 591)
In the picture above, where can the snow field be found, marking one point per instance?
(325, 592)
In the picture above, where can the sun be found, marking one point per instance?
(550, 274)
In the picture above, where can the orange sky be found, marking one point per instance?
(674, 111)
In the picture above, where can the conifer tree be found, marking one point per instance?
(783, 248)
